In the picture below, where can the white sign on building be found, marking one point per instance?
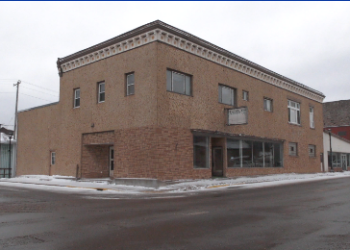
(237, 116)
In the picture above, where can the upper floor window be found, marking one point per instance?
(294, 112)
(53, 158)
(293, 148)
(268, 104)
(178, 82)
(101, 92)
(245, 95)
(226, 95)
(130, 84)
(312, 150)
(76, 98)
(312, 122)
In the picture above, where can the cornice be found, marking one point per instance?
(159, 31)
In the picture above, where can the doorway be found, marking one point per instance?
(218, 163)
(111, 161)
(343, 161)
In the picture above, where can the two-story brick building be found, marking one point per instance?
(158, 102)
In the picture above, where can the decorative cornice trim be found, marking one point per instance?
(182, 40)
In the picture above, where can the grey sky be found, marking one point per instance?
(306, 41)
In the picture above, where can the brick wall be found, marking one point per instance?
(152, 129)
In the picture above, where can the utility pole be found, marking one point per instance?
(16, 111)
(0, 145)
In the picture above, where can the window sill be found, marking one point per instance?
(294, 124)
(201, 168)
(76, 107)
(100, 102)
(227, 104)
(179, 93)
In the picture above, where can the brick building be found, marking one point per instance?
(336, 116)
(158, 102)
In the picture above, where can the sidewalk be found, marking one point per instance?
(67, 183)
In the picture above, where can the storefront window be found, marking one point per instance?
(200, 152)
(247, 154)
(269, 150)
(258, 154)
(244, 153)
(233, 154)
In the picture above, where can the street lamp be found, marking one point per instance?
(330, 146)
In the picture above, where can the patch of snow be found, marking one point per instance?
(69, 183)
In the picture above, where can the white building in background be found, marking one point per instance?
(340, 152)
(7, 165)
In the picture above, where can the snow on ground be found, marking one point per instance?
(69, 184)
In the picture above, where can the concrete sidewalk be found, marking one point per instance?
(155, 186)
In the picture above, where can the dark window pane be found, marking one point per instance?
(233, 155)
(168, 80)
(200, 151)
(130, 90)
(268, 153)
(227, 95)
(247, 151)
(77, 102)
(102, 87)
(258, 154)
(130, 79)
(102, 97)
(179, 83)
(188, 85)
(277, 155)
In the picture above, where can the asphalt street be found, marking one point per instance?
(312, 215)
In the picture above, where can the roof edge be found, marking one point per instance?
(171, 29)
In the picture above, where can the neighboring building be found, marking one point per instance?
(340, 152)
(336, 117)
(156, 102)
(7, 153)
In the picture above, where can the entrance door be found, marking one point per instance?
(111, 161)
(217, 161)
(343, 162)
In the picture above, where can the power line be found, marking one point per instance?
(39, 91)
(36, 97)
(39, 86)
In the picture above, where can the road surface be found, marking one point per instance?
(312, 215)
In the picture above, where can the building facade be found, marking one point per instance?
(7, 153)
(340, 155)
(158, 102)
(337, 118)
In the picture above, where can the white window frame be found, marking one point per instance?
(128, 84)
(233, 93)
(76, 98)
(295, 146)
(101, 92)
(294, 112)
(313, 148)
(312, 116)
(53, 158)
(187, 84)
(268, 104)
(245, 95)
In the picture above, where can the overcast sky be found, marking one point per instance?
(306, 41)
